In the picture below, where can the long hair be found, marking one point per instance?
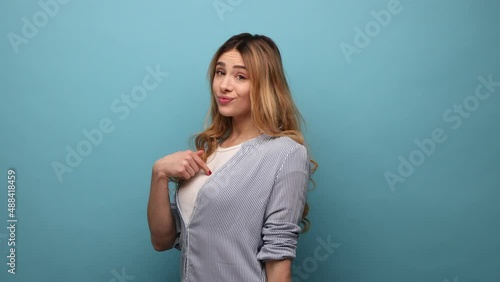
(273, 110)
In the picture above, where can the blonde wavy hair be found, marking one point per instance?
(273, 110)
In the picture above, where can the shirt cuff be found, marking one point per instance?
(280, 241)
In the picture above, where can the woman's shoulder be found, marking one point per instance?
(282, 145)
(285, 140)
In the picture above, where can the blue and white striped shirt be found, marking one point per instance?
(246, 213)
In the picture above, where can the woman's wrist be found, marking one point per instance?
(159, 173)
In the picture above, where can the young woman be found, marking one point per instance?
(241, 195)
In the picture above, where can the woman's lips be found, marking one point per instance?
(224, 101)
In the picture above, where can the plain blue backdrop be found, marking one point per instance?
(400, 117)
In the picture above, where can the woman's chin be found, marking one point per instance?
(225, 113)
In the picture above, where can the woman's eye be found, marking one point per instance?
(240, 77)
(219, 72)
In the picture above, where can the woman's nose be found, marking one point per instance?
(226, 84)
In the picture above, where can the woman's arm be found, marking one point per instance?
(279, 270)
(160, 218)
(284, 209)
(162, 224)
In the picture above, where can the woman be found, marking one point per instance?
(241, 196)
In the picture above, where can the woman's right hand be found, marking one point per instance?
(182, 164)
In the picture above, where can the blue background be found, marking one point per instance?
(363, 111)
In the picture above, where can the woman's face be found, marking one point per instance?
(231, 86)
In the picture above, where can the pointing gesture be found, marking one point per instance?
(182, 164)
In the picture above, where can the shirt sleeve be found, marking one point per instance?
(175, 213)
(284, 210)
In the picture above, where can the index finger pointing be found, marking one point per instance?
(202, 164)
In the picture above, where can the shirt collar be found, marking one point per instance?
(256, 140)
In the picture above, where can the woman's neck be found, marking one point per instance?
(240, 133)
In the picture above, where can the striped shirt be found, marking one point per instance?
(191, 187)
(245, 213)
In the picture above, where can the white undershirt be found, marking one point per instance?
(190, 188)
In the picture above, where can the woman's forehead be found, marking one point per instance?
(230, 58)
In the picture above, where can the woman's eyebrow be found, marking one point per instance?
(222, 64)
